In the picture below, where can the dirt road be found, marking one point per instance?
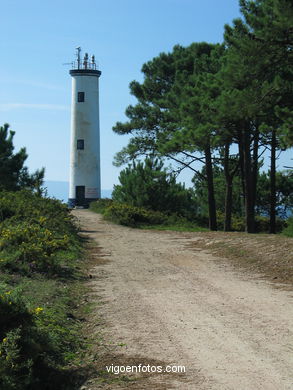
(165, 303)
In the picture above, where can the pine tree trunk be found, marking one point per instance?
(228, 205)
(229, 189)
(211, 194)
(255, 166)
(273, 184)
(248, 180)
(241, 164)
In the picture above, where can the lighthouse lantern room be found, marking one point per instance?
(85, 177)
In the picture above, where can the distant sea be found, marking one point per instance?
(59, 190)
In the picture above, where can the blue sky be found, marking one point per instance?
(38, 37)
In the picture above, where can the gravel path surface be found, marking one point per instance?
(165, 303)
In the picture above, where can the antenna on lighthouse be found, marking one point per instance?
(78, 50)
(93, 62)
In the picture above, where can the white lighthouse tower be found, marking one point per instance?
(85, 177)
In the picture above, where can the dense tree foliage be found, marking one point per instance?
(197, 104)
(13, 174)
(258, 83)
(171, 119)
(149, 185)
(284, 193)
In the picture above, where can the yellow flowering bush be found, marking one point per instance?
(15, 368)
(125, 214)
(46, 212)
(15, 320)
(13, 312)
(24, 346)
(30, 246)
(37, 239)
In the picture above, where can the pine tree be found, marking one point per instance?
(258, 83)
(13, 174)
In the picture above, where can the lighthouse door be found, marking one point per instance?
(80, 195)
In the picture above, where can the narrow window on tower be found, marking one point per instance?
(80, 144)
(80, 97)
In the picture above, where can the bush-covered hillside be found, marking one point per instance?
(39, 256)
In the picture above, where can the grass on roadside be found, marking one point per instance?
(289, 229)
(175, 227)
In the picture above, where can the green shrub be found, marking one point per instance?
(101, 205)
(23, 347)
(37, 238)
(288, 231)
(149, 185)
(237, 223)
(35, 342)
(28, 246)
(13, 312)
(262, 224)
(133, 216)
(15, 370)
(35, 233)
(27, 206)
